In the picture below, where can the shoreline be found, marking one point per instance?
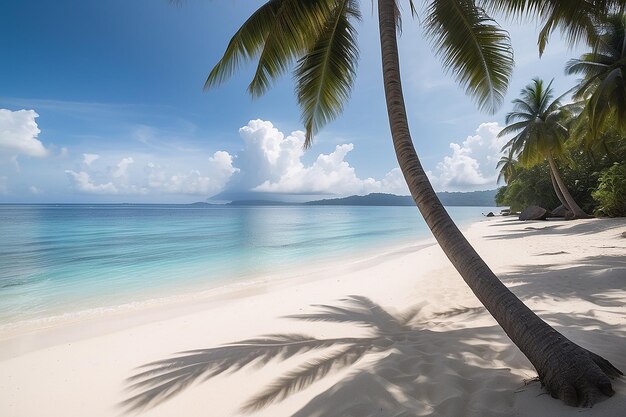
(449, 358)
(191, 300)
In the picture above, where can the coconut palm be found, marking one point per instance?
(506, 166)
(539, 125)
(318, 37)
(604, 76)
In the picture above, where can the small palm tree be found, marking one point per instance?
(539, 125)
(603, 85)
(319, 38)
(507, 167)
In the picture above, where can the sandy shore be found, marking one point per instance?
(398, 334)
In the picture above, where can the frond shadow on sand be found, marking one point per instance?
(405, 378)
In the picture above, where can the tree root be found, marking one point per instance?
(582, 379)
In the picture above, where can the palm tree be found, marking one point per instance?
(604, 76)
(319, 37)
(507, 166)
(538, 123)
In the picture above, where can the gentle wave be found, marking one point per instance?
(68, 258)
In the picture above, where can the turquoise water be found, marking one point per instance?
(63, 258)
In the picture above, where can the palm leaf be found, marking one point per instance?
(326, 74)
(576, 19)
(473, 47)
(245, 43)
(512, 128)
(276, 34)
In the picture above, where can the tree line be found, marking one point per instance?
(572, 154)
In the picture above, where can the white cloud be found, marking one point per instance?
(472, 163)
(82, 181)
(122, 167)
(89, 158)
(220, 169)
(19, 132)
(269, 162)
(137, 175)
(34, 190)
(272, 162)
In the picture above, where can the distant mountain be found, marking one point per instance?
(472, 198)
(260, 203)
(201, 204)
(374, 199)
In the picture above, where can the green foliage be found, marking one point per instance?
(581, 170)
(538, 122)
(604, 76)
(611, 193)
(530, 187)
(575, 18)
(473, 47)
(326, 74)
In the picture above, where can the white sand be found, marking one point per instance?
(430, 350)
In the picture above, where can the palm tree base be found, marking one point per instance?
(579, 378)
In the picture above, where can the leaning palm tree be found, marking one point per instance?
(539, 125)
(319, 37)
(603, 85)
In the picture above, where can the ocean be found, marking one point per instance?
(60, 259)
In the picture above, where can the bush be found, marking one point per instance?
(530, 187)
(611, 193)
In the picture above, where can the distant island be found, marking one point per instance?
(472, 198)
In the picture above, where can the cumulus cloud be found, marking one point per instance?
(472, 163)
(220, 167)
(82, 181)
(137, 175)
(272, 162)
(122, 167)
(269, 162)
(89, 158)
(19, 132)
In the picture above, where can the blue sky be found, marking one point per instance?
(103, 102)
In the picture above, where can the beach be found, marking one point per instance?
(387, 334)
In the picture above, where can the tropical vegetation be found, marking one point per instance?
(539, 127)
(592, 145)
(317, 39)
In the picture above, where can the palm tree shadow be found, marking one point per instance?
(407, 365)
(396, 338)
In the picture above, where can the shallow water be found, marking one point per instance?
(64, 258)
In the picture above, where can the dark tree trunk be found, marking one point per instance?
(571, 203)
(568, 371)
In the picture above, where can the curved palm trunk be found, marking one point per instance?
(558, 192)
(571, 203)
(568, 371)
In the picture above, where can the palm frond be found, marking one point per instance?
(576, 19)
(324, 77)
(473, 47)
(245, 43)
(276, 34)
(512, 128)
(295, 27)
